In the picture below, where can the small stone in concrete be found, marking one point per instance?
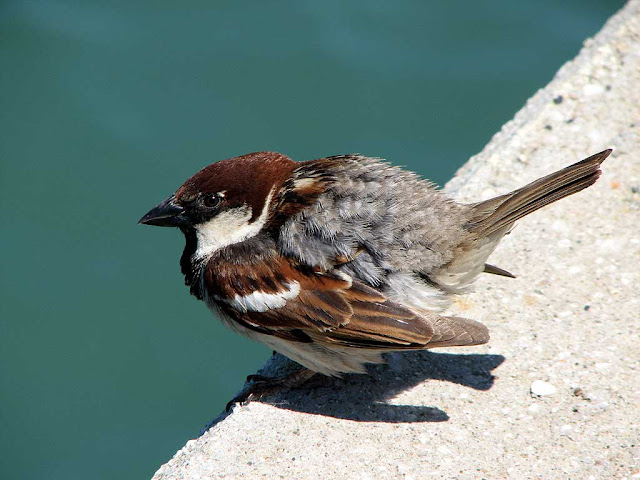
(542, 389)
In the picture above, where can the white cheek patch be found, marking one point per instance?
(260, 301)
(229, 227)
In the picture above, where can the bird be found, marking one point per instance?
(335, 261)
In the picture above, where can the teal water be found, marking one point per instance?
(107, 366)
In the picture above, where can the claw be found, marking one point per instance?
(259, 386)
(242, 398)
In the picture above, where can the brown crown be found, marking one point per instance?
(245, 180)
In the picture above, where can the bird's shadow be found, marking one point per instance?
(364, 398)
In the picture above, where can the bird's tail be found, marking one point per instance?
(491, 219)
(495, 214)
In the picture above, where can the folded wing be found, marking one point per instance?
(331, 308)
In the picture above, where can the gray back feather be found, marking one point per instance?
(395, 221)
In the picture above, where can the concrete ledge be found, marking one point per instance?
(570, 319)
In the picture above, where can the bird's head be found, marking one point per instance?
(225, 202)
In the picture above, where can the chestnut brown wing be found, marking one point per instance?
(331, 308)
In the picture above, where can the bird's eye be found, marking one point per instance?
(211, 200)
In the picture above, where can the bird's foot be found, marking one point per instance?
(259, 386)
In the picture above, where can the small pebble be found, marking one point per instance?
(542, 389)
(443, 450)
(602, 406)
(564, 243)
(592, 89)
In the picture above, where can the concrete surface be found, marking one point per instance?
(569, 323)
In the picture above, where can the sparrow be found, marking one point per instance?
(335, 261)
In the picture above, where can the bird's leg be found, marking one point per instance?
(259, 385)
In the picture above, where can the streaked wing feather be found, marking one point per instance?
(341, 317)
(457, 331)
(299, 303)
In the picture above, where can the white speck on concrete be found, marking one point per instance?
(592, 89)
(565, 429)
(559, 226)
(565, 243)
(542, 389)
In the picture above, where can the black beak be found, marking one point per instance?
(165, 214)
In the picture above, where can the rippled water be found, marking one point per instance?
(107, 366)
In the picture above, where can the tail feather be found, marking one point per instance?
(492, 219)
(497, 271)
(507, 209)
